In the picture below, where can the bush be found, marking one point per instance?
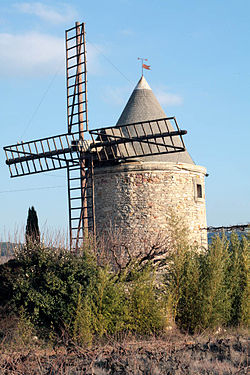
(239, 281)
(52, 289)
(146, 307)
(57, 289)
(106, 298)
(47, 282)
(116, 304)
(188, 314)
(210, 288)
(215, 308)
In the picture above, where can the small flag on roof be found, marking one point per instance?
(143, 66)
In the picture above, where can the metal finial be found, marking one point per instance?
(143, 66)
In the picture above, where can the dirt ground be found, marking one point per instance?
(175, 354)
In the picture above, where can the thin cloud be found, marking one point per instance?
(116, 95)
(127, 32)
(30, 54)
(66, 13)
(167, 98)
(37, 54)
(94, 53)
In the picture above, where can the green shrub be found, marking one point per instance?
(181, 277)
(147, 310)
(216, 306)
(51, 289)
(243, 309)
(25, 329)
(236, 276)
(188, 314)
(57, 289)
(209, 288)
(113, 305)
(107, 300)
(47, 284)
(82, 332)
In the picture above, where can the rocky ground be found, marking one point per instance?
(175, 354)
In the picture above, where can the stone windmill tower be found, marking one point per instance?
(137, 196)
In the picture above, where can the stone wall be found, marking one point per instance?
(138, 197)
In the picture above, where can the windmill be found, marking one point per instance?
(79, 156)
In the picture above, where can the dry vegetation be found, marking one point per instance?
(175, 353)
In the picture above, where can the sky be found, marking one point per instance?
(199, 56)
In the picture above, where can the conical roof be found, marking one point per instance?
(143, 106)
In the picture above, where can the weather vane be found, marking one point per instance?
(143, 66)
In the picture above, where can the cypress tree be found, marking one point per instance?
(32, 228)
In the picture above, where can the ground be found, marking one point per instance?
(222, 353)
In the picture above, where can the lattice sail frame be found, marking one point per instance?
(41, 155)
(80, 178)
(76, 73)
(139, 139)
(78, 156)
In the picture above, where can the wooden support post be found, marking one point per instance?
(79, 48)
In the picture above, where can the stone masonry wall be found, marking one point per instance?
(137, 197)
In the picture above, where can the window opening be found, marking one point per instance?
(199, 191)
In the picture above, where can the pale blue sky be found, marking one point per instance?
(200, 59)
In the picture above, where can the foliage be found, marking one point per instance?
(115, 304)
(25, 328)
(56, 288)
(188, 314)
(82, 332)
(146, 308)
(215, 307)
(53, 290)
(32, 234)
(207, 289)
(107, 299)
(47, 282)
(237, 277)
(102, 310)
(182, 278)
(243, 312)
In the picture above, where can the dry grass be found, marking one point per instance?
(175, 353)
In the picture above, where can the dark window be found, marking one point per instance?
(199, 191)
